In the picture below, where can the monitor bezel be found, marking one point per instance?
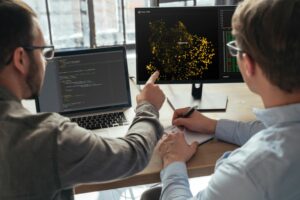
(237, 77)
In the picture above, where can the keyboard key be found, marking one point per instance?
(101, 121)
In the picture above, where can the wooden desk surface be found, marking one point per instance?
(240, 104)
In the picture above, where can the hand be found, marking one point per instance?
(152, 93)
(173, 147)
(195, 122)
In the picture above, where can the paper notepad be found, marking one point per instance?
(190, 136)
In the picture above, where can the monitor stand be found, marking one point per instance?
(204, 100)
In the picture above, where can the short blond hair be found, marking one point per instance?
(268, 30)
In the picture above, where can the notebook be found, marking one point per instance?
(82, 84)
(190, 136)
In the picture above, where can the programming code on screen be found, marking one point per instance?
(84, 80)
(81, 78)
(186, 44)
(77, 82)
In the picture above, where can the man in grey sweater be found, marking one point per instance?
(43, 156)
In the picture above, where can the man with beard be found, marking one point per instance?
(43, 156)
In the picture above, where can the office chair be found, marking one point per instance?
(151, 194)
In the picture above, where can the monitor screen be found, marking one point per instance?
(186, 44)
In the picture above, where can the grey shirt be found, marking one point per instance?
(42, 156)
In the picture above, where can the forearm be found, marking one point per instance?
(227, 183)
(237, 132)
(86, 157)
(146, 114)
(175, 182)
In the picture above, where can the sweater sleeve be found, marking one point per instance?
(84, 157)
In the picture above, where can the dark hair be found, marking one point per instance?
(268, 30)
(16, 28)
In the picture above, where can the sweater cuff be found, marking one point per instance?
(146, 106)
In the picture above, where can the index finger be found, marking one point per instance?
(153, 77)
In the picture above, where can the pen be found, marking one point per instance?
(189, 112)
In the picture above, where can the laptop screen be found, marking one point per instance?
(85, 80)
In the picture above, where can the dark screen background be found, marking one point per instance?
(197, 22)
(83, 81)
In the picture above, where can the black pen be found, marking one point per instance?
(189, 112)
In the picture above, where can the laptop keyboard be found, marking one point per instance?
(101, 121)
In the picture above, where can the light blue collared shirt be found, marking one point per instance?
(267, 166)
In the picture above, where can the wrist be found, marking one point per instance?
(145, 105)
(213, 126)
(167, 161)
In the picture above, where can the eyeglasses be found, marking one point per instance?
(48, 51)
(233, 49)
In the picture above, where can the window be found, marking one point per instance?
(85, 23)
(130, 5)
(40, 8)
(108, 22)
(90, 23)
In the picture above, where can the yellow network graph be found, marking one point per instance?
(176, 53)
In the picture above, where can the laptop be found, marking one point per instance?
(91, 87)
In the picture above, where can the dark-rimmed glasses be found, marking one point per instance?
(48, 51)
(233, 49)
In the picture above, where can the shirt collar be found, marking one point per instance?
(281, 114)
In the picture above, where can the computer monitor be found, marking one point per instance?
(187, 45)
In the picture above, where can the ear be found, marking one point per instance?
(249, 65)
(21, 60)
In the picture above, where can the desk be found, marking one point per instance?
(240, 104)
